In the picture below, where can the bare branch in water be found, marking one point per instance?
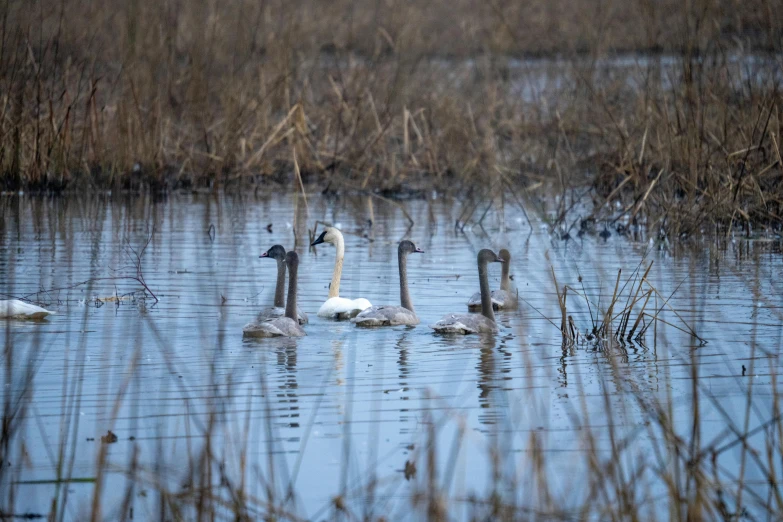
(136, 267)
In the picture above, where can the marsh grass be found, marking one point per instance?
(611, 324)
(670, 109)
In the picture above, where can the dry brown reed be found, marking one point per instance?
(611, 326)
(404, 95)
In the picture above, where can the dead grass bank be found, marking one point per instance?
(387, 95)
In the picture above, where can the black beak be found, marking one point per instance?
(418, 251)
(498, 260)
(319, 240)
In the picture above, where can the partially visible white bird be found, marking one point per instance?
(336, 307)
(22, 310)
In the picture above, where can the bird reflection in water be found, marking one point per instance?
(288, 387)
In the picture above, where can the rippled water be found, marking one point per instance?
(344, 408)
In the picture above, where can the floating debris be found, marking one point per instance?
(410, 469)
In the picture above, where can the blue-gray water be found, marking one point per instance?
(343, 409)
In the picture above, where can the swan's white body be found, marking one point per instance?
(343, 308)
(337, 307)
(22, 310)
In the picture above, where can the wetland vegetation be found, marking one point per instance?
(666, 108)
(626, 154)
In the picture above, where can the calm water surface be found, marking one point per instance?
(343, 409)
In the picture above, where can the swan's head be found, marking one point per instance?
(292, 259)
(277, 253)
(504, 255)
(407, 247)
(488, 256)
(329, 235)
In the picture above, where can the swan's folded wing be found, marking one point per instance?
(403, 316)
(452, 323)
(504, 300)
(475, 301)
(272, 312)
(261, 329)
(373, 316)
(288, 327)
(292, 328)
(275, 312)
(464, 324)
(386, 316)
(500, 299)
(301, 316)
(280, 327)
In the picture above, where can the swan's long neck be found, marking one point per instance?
(405, 297)
(486, 296)
(334, 288)
(290, 306)
(280, 288)
(505, 282)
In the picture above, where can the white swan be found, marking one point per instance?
(388, 315)
(474, 323)
(287, 326)
(277, 252)
(503, 299)
(337, 307)
(22, 310)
